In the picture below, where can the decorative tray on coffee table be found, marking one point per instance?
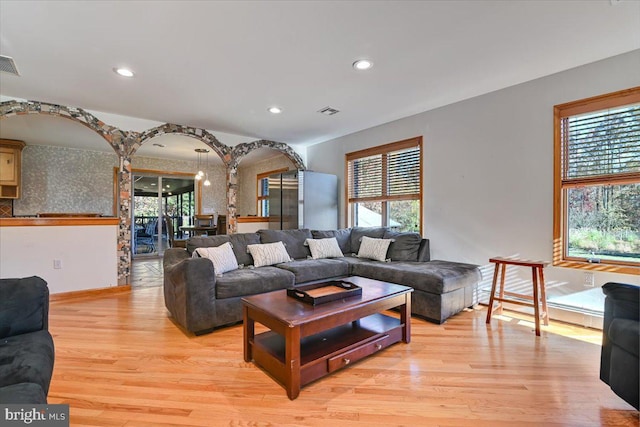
(320, 293)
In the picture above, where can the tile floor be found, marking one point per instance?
(146, 273)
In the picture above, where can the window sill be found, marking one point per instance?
(605, 267)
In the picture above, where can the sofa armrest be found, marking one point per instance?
(424, 253)
(24, 306)
(173, 256)
(190, 291)
(622, 301)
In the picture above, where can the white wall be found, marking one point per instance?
(88, 255)
(488, 167)
(251, 227)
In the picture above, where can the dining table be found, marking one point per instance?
(195, 230)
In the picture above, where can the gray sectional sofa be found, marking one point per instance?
(26, 346)
(200, 300)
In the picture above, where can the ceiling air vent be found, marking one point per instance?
(7, 65)
(328, 111)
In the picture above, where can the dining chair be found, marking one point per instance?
(173, 242)
(208, 220)
(204, 221)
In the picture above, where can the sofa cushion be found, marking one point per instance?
(358, 232)
(354, 260)
(222, 257)
(239, 241)
(254, 280)
(436, 277)
(27, 358)
(324, 248)
(405, 246)
(24, 304)
(293, 240)
(205, 242)
(316, 269)
(269, 254)
(343, 236)
(375, 249)
(22, 393)
(625, 333)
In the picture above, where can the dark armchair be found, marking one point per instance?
(619, 363)
(26, 346)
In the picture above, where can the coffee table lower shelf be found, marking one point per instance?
(327, 351)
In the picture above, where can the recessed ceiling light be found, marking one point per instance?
(274, 110)
(124, 72)
(362, 64)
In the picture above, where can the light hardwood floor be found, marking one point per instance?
(120, 361)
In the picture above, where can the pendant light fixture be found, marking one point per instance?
(206, 178)
(200, 173)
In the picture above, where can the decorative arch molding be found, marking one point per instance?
(222, 150)
(115, 137)
(119, 140)
(241, 150)
(126, 143)
(237, 154)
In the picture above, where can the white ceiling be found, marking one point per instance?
(41, 129)
(219, 65)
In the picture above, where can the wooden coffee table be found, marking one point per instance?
(307, 342)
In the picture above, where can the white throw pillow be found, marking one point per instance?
(268, 254)
(222, 257)
(374, 248)
(324, 248)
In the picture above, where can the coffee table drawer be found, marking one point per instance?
(341, 360)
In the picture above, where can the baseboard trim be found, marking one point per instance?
(89, 293)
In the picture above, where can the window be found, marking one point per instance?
(263, 191)
(384, 186)
(597, 183)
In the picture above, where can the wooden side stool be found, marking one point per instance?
(536, 299)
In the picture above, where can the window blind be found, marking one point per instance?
(601, 144)
(366, 177)
(404, 172)
(392, 174)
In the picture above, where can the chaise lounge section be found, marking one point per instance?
(200, 299)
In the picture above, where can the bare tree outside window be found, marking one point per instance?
(384, 186)
(597, 213)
